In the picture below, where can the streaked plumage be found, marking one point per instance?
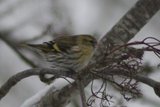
(68, 52)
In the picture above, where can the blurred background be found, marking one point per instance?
(37, 21)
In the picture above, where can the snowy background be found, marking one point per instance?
(26, 19)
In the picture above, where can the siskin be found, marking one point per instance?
(68, 52)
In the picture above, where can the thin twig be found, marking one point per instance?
(82, 93)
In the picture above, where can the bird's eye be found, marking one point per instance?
(94, 42)
(91, 41)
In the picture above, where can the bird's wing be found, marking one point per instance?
(60, 44)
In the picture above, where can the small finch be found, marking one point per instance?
(68, 52)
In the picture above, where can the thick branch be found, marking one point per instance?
(154, 84)
(4, 89)
(133, 21)
(128, 26)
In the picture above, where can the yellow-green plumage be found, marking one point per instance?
(68, 52)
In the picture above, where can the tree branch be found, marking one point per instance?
(104, 73)
(127, 27)
(133, 21)
(4, 89)
(150, 82)
(82, 92)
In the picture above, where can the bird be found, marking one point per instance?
(68, 52)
